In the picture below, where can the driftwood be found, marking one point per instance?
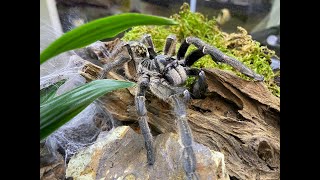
(239, 118)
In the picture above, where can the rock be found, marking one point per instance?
(120, 154)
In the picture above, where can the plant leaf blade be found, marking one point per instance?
(49, 92)
(59, 110)
(99, 29)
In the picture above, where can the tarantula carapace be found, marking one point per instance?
(164, 75)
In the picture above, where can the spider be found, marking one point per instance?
(164, 75)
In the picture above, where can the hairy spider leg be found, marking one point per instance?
(185, 133)
(177, 97)
(146, 39)
(143, 84)
(199, 88)
(215, 54)
(120, 59)
(170, 45)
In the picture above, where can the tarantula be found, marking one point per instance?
(164, 75)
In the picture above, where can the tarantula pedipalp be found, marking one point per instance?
(164, 75)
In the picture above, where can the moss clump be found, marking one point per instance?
(239, 45)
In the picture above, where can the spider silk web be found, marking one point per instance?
(84, 128)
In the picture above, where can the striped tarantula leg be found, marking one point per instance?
(146, 39)
(199, 88)
(183, 49)
(119, 58)
(193, 57)
(170, 45)
(189, 159)
(178, 97)
(219, 56)
(143, 84)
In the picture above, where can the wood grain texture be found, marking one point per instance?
(239, 118)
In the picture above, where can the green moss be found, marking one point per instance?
(190, 81)
(239, 45)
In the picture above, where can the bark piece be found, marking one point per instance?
(239, 118)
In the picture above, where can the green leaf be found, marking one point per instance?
(99, 29)
(59, 110)
(49, 92)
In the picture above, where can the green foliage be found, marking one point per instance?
(49, 92)
(239, 45)
(58, 110)
(190, 81)
(99, 29)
